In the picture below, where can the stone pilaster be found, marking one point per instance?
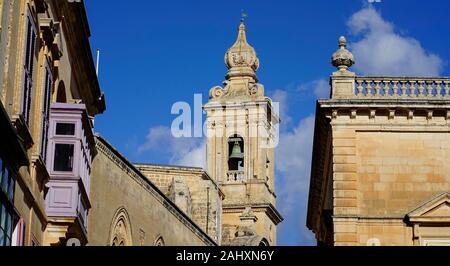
(344, 187)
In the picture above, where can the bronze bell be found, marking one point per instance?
(237, 151)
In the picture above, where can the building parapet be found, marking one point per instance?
(402, 87)
(347, 85)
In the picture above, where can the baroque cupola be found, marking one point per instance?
(241, 58)
(241, 81)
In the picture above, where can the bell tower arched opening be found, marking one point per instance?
(236, 153)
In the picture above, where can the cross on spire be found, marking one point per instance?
(243, 15)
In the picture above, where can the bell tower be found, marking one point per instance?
(241, 132)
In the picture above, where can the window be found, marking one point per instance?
(8, 217)
(1, 172)
(48, 82)
(63, 161)
(159, 242)
(6, 221)
(82, 211)
(120, 232)
(65, 129)
(30, 50)
(7, 181)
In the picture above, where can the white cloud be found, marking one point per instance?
(382, 51)
(293, 164)
(195, 157)
(155, 137)
(281, 96)
(180, 151)
(293, 161)
(320, 88)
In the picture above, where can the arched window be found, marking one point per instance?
(236, 153)
(61, 93)
(159, 242)
(264, 243)
(120, 232)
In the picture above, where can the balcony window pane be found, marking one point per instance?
(2, 238)
(1, 171)
(2, 216)
(5, 181)
(65, 129)
(8, 225)
(11, 187)
(63, 158)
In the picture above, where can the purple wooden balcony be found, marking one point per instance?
(71, 148)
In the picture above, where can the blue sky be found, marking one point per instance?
(156, 53)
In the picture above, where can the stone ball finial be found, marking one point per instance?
(343, 59)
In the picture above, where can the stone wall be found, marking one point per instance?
(394, 166)
(205, 195)
(385, 166)
(151, 217)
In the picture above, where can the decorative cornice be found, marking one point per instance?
(366, 217)
(271, 211)
(419, 214)
(391, 109)
(76, 31)
(412, 103)
(162, 167)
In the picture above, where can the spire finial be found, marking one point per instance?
(243, 15)
(241, 58)
(342, 42)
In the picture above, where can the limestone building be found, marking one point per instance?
(128, 209)
(380, 172)
(61, 184)
(49, 95)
